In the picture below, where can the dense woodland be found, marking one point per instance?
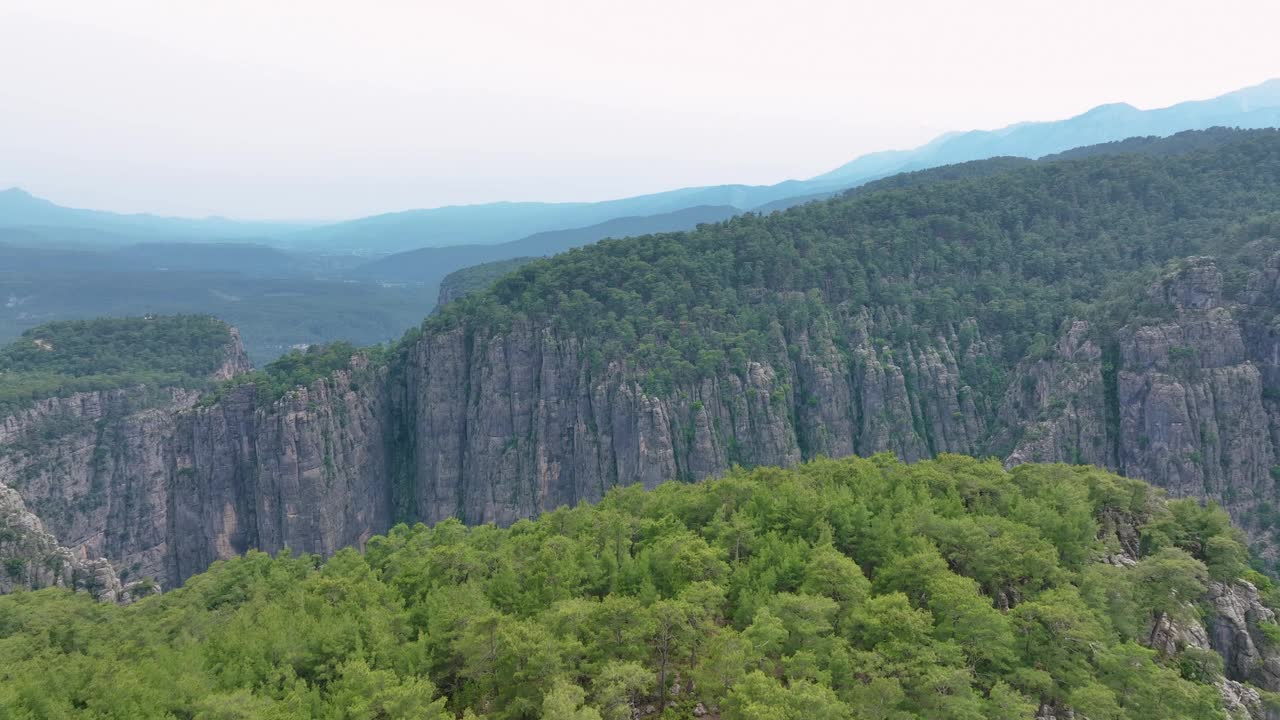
(58, 358)
(1019, 251)
(859, 588)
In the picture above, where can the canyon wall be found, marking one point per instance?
(496, 425)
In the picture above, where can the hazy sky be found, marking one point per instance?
(323, 109)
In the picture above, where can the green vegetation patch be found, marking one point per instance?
(1017, 246)
(64, 357)
(297, 368)
(859, 588)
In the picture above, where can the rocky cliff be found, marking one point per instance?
(488, 427)
(162, 488)
(32, 558)
(507, 425)
(1185, 399)
(93, 467)
(309, 472)
(496, 424)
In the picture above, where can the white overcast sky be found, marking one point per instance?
(327, 109)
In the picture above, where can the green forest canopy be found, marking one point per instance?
(69, 356)
(1019, 251)
(859, 588)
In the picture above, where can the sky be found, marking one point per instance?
(323, 109)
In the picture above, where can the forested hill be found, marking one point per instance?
(842, 589)
(1019, 251)
(908, 319)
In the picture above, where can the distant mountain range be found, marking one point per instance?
(51, 223)
(431, 264)
(1252, 107)
(447, 228)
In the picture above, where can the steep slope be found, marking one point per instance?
(86, 419)
(31, 558)
(1185, 398)
(764, 341)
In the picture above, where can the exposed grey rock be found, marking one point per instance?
(1234, 628)
(31, 558)
(1055, 411)
(309, 472)
(1049, 712)
(1192, 403)
(235, 359)
(1168, 636)
(93, 467)
(1241, 701)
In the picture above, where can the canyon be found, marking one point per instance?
(491, 428)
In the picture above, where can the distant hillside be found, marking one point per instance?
(57, 224)
(505, 222)
(429, 266)
(244, 258)
(1254, 107)
(274, 314)
(477, 277)
(249, 259)
(1156, 146)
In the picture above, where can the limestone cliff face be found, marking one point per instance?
(507, 425)
(1055, 410)
(1229, 620)
(93, 467)
(160, 488)
(308, 472)
(235, 359)
(1186, 401)
(32, 558)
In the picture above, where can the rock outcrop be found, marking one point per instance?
(1233, 617)
(1186, 400)
(1235, 631)
(94, 467)
(30, 557)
